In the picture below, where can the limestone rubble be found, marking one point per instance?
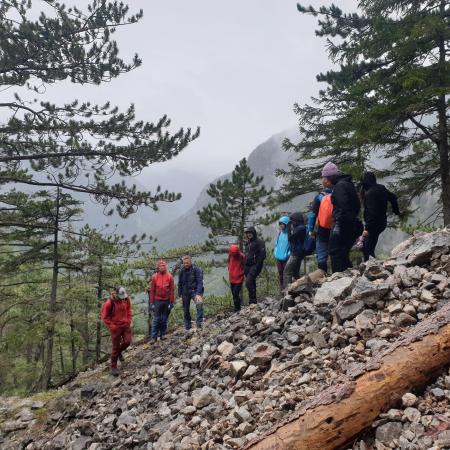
(221, 388)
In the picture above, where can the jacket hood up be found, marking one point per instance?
(368, 180)
(297, 218)
(234, 249)
(252, 230)
(284, 220)
(342, 177)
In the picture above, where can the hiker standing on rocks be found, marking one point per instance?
(322, 208)
(236, 274)
(346, 226)
(190, 287)
(375, 198)
(116, 314)
(162, 297)
(255, 254)
(297, 236)
(282, 249)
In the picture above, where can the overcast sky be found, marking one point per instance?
(232, 67)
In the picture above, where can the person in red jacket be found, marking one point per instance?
(116, 314)
(236, 274)
(162, 296)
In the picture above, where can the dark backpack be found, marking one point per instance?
(309, 246)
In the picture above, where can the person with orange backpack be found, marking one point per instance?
(322, 208)
(116, 314)
(236, 275)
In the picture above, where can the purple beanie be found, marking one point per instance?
(330, 170)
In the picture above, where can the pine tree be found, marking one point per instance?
(238, 203)
(76, 146)
(386, 99)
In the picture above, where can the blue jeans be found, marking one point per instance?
(187, 313)
(322, 254)
(160, 316)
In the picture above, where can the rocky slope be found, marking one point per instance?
(223, 387)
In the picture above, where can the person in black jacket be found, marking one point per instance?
(297, 235)
(190, 287)
(346, 226)
(255, 254)
(375, 198)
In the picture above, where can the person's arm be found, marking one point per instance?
(311, 222)
(198, 281)
(392, 198)
(106, 313)
(172, 290)
(316, 205)
(261, 253)
(129, 311)
(180, 285)
(152, 291)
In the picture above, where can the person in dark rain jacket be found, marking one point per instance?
(375, 199)
(236, 274)
(190, 287)
(297, 235)
(255, 254)
(346, 226)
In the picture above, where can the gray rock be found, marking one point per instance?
(409, 399)
(412, 414)
(437, 393)
(205, 396)
(369, 292)
(349, 309)
(126, 418)
(293, 338)
(405, 320)
(225, 349)
(261, 354)
(330, 291)
(365, 321)
(13, 425)
(388, 432)
(81, 443)
(237, 368)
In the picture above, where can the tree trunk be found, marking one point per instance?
(98, 340)
(48, 366)
(443, 127)
(86, 331)
(340, 413)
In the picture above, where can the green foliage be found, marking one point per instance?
(237, 204)
(385, 99)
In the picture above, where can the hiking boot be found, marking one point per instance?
(115, 371)
(121, 358)
(153, 341)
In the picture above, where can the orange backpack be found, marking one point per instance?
(325, 216)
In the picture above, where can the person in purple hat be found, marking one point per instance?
(346, 226)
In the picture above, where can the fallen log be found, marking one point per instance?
(340, 413)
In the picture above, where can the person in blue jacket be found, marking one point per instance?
(282, 249)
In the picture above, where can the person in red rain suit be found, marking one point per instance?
(236, 274)
(116, 314)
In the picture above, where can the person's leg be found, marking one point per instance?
(164, 317)
(322, 254)
(280, 267)
(156, 321)
(370, 243)
(335, 251)
(187, 313)
(288, 272)
(199, 307)
(250, 284)
(116, 338)
(296, 267)
(235, 291)
(126, 338)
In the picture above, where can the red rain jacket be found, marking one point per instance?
(235, 265)
(117, 313)
(162, 287)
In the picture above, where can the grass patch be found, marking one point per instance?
(46, 396)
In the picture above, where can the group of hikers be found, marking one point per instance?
(331, 230)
